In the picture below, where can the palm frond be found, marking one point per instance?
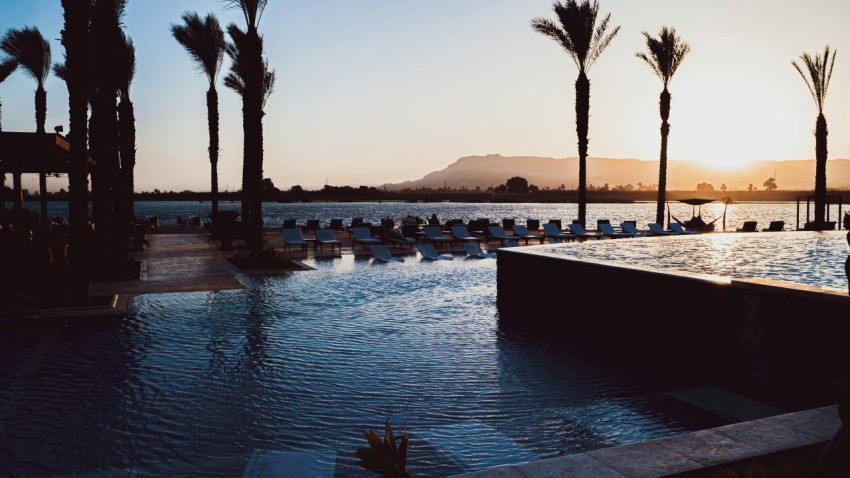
(269, 79)
(577, 31)
(7, 67)
(126, 68)
(252, 10)
(28, 48)
(819, 70)
(204, 40)
(61, 71)
(665, 53)
(235, 83)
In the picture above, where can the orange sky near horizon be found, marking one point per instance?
(371, 91)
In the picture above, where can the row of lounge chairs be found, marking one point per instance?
(381, 253)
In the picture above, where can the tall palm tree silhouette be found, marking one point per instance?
(31, 52)
(76, 42)
(204, 40)
(664, 55)
(584, 40)
(819, 69)
(251, 58)
(126, 69)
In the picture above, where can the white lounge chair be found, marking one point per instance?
(608, 231)
(676, 227)
(498, 232)
(631, 229)
(474, 250)
(381, 253)
(362, 236)
(325, 237)
(582, 233)
(434, 234)
(550, 230)
(656, 230)
(521, 232)
(430, 253)
(461, 233)
(292, 237)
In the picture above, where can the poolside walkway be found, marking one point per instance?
(173, 263)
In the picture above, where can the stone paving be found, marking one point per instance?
(686, 452)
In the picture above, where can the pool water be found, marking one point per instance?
(804, 257)
(195, 384)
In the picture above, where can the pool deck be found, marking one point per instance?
(679, 454)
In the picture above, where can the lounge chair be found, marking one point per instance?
(521, 232)
(474, 250)
(508, 224)
(312, 225)
(325, 237)
(434, 235)
(676, 227)
(336, 225)
(289, 224)
(775, 226)
(395, 237)
(381, 253)
(748, 226)
(292, 237)
(362, 236)
(581, 232)
(429, 253)
(498, 233)
(608, 231)
(556, 222)
(655, 229)
(533, 224)
(461, 233)
(551, 231)
(629, 227)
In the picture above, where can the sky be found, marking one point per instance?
(377, 91)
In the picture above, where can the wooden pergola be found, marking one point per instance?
(32, 153)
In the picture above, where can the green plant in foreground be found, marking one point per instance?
(384, 456)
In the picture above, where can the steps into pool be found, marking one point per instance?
(473, 445)
(726, 404)
(291, 464)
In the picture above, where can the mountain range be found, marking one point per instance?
(493, 169)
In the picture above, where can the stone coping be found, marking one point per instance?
(685, 452)
(118, 304)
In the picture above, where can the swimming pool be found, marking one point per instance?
(803, 257)
(194, 384)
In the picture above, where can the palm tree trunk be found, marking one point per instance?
(212, 119)
(127, 125)
(40, 119)
(582, 121)
(664, 106)
(75, 40)
(820, 170)
(254, 140)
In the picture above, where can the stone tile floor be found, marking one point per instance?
(686, 452)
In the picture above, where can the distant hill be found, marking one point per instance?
(493, 170)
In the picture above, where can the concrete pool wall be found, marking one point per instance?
(785, 339)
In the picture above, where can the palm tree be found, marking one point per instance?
(127, 130)
(584, 41)
(106, 38)
(820, 71)
(204, 40)
(30, 51)
(75, 74)
(664, 55)
(250, 54)
(6, 69)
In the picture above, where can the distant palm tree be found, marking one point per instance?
(820, 72)
(30, 51)
(584, 41)
(6, 69)
(204, 40)
(251, 58)
(664, 55)
(126, 66)
(75, 73)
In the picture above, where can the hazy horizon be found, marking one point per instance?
(383, 92)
